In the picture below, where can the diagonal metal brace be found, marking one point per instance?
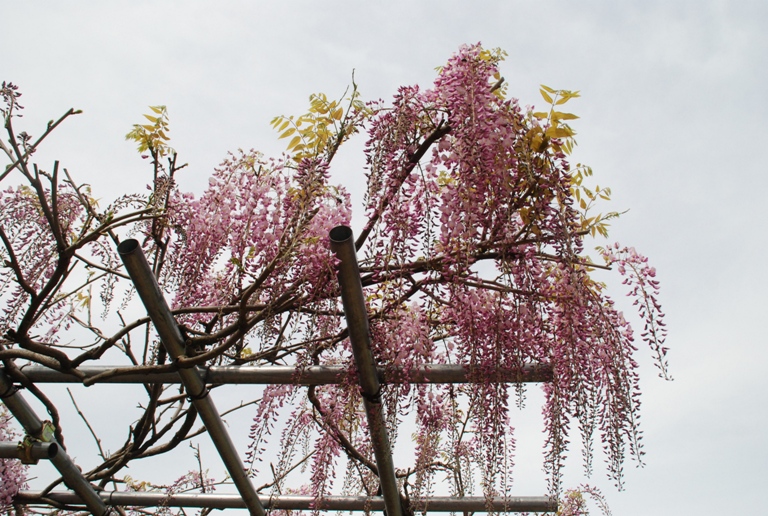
(343, 245)
(170, 335)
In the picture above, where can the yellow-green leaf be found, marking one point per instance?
(546, 96)
(557, 115)
(294, 141)
(559, 132)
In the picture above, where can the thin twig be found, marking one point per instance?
(22, 156)
(85, 420)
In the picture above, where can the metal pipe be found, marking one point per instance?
(34, 452)
(33, 426)
(299, 503)
(311, 375)
(149, 291)
(343, 245)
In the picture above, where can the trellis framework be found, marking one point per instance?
(41, 444)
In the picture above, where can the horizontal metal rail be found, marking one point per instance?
(298, 503)
(312, 375)
(35, 451)
(170, 335)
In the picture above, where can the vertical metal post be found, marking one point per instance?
(170, 335)
(343, 245)
(33, 426)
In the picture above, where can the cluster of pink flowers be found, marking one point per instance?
(259, 221)
(35, 256)
(640, 277)
(485, 196)
(471, 253)
(13, 474)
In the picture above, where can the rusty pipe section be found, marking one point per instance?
(348, 274)
(35, 427)
(149, 291)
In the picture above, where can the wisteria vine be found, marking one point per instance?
(472, 252)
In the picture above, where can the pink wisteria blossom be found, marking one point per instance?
(471, 252)
(13, 474)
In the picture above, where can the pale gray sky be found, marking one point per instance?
(673, 113)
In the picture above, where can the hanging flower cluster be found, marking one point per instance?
(260, 225)
(13, 474)
(486, 240)
(471, 253)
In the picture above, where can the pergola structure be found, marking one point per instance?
(40, 443)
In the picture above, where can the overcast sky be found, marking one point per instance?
(673, 118)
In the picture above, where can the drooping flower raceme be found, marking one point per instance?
(471, 252)
(13, 473)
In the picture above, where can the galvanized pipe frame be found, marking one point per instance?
(195, 380)
(167, 329)
(300, 502)
(34, 427)
(353, 300)
(283, 375)
(35, 451)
